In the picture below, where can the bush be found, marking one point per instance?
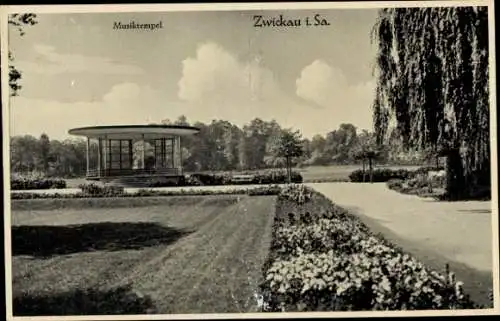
(426, 169)
(328, 260)
(265, 190)
(422, 182)
(395, 184)
(94, 189)
(207, 179)
(36, 183)
(166, 182)
(276, 177)
(265, 177)
(380, 175)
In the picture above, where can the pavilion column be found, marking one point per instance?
(88, 155)
(143, 152)
(177, 154)
(99, 156)
(130, 154)
(105, 155)
(164, 157)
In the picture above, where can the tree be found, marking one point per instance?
(339, 142)
(23, 155)
(365, 150)
(181, 121)
(44, 145)
(289, 146)
(19, 21)
(432, 78)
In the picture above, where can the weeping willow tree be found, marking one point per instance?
(432, 83)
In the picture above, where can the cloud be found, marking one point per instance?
(328, 87)
(216, 84)
(125, 103)
(50, 62)
(320, 83)
(216, 74)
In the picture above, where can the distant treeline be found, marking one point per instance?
(220, 146)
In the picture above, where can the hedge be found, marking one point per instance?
(36, 183)
(380, 175)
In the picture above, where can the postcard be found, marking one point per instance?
(263, 160)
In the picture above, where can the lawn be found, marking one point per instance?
(200, 255)
(332, 173)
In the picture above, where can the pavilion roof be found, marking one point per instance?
(134, 131)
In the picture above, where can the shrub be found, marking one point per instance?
(395, 183)
(207, 179)
(28, 196)
(166, 182)
(36, 183)
(94, 189)
(421, 182)
(265, 177)
(380, 175)
(192, 181)
(276, 177)
(426, 169)
(265, 190)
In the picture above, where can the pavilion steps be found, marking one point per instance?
(137, 182)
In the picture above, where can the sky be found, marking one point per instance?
(77, 70)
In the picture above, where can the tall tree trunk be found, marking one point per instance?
(288, 170)
(364, 170)
(371, 169)
(455, 180)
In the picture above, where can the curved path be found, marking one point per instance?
(458, 233)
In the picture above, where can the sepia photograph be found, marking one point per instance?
(250, 160)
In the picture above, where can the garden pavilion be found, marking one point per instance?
(134, 151)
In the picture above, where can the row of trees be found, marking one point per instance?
(220, 146)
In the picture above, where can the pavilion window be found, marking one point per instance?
(162, 154)
(169, 153)
(125, 151)
(115, 154)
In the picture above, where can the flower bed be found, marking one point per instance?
(323, 258)
(415, 186)
(93, 191)
(424, 182)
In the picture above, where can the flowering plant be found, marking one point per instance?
(330, 260)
